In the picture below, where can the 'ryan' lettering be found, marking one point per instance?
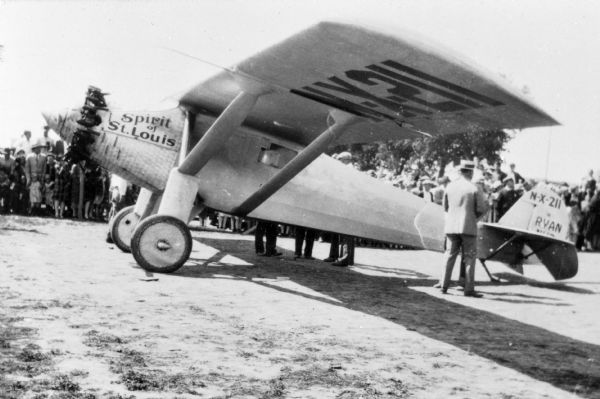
(547, 225)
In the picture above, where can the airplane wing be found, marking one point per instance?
(400, 87)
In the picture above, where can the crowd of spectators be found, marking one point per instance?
(37, 179)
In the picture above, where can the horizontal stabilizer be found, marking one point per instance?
(559, 258)
(513, 246)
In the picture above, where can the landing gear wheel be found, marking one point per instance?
(161, 244)
(122, 227)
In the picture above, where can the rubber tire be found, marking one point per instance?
(139, 236)
(122, 244)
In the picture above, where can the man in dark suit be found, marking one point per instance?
(268, 231)
(507, 197)
(464, 203)
(305, 236)
(518, 179)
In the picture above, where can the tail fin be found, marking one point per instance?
(540, 211)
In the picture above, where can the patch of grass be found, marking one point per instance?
(132, 366)
(360, 394)
(55, 352)
(245, 354)
(63, 382)
(99, 340)
(31, 353)
(353, 386)
(245, 388)
(13, 389)
(197, 310)
(140, 381)
(74, 395)
(276, 389)
(12, 332)
(128, 358)
(314, 376)
(4, 343)
(372, 392)
(398, 389)
(157, 380)
(182, 382)
(79, 373)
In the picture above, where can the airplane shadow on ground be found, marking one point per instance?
(517, 279)
(564, 362)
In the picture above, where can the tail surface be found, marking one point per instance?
(537, 224)
(540, 211)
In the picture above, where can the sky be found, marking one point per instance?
(52, 50)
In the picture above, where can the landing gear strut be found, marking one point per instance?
(163, 242)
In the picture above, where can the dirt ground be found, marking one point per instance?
(79, 319)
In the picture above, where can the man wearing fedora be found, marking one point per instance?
(507, 197)
(464, 204)
(35, 169)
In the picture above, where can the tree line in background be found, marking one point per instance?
(396, 155)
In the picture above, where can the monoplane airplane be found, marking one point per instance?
(250, 142)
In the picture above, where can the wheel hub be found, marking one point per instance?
(163, 245)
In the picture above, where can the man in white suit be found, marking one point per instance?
(464, 203)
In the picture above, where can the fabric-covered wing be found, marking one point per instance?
(399, 86)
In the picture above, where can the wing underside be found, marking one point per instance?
(400, 87)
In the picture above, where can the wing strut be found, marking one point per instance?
(341, 120)
(188, 126)
(220, 131)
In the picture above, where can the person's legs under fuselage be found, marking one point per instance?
(453, 246)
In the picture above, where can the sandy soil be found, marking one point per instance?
(79, 319)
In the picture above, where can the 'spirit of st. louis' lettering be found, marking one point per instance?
(144, 127)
